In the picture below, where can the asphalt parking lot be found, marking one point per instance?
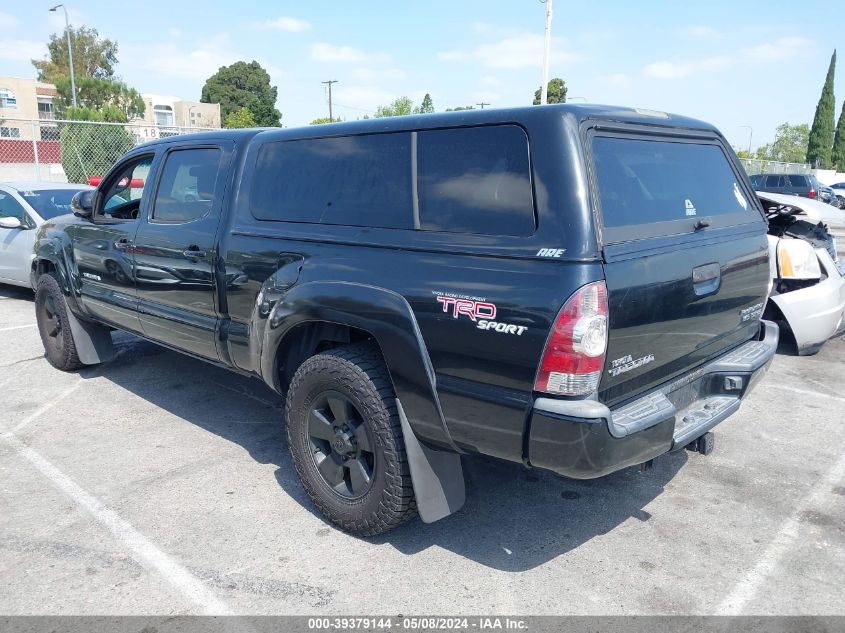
(157, 484)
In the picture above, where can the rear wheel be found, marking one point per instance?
(346, 440)
(51, 313)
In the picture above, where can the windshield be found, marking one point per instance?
(49, 203)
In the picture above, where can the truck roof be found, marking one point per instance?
(581, 112)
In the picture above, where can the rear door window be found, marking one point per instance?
(186, 186)
(799, 182)
(774, 181)
(349, 180)
(657, 187)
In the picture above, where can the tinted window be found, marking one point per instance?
(11, 208)
(351, 180)
(758, 180)
(641, 182)
(475, 180)
(122, 197)
(50, 203)
(187, 184)
(798, 181)
(774, 181)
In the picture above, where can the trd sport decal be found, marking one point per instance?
(480, 311)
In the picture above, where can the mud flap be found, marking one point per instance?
(437, 476)
(93, 342)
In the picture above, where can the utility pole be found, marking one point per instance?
(482, 104)
(750, 136)
(544, 88)
(329, 84)
(69, 54)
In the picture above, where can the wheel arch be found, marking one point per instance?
(326, 313)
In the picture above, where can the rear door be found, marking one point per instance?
(684, 244)
(176, 249)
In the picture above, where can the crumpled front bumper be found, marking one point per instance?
(815, 313)
(584, 439)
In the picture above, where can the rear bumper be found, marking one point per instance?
(584, 439)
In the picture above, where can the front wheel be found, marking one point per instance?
(346, 440)
(51, 313)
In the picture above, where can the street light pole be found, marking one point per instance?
(544, 89)
(69, 54)
(329, 83)
(750, 136)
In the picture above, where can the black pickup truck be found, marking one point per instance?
(576, 288)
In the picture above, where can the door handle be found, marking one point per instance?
(192, 253)
(122, 245)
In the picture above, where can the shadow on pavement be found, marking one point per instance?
(16, 292)
(514, 518)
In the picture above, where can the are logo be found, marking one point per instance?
(550, 252)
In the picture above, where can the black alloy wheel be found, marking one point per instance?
(342, 448)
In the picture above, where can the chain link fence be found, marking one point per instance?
(70, 151)
(756, 166)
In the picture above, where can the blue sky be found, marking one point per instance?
(733, 63)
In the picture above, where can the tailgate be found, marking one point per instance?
(686, 257)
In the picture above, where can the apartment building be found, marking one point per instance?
(22, 99)
(167, 111)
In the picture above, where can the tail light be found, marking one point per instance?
(812, 193)
(574, 355)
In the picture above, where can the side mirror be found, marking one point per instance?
(82, 203)
(10, 223)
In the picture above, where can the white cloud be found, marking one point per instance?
(686, 68)
(22, 50)
(56, 19)
(783, 48)
(323, 52)
(167, 59)
(8, 21)
(375, 74)
(517, 51)
(451, 56)
(286, 23)
(703, 32)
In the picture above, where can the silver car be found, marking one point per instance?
(24, 206)
(808, 289)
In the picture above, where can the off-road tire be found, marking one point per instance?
(358, 373)
(51, 313)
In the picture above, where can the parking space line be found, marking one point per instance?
(44, 408)
(807, 392)
(145, 551)
(745, 590)
(18, 327)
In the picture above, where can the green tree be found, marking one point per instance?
(744, 153)
(427, 106)
(790, 144)
(323, 120)
(837, 156)
(244, 85)
(400, 107)
(90, 148)
(92, 56)
(240, 118)
(556, 92)
(460, 109)
(820, 142)
(96, 93)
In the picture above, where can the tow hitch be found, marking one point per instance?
(703, 444)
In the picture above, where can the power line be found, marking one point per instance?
(329, 83)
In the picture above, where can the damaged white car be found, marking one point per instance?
(808, 289)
